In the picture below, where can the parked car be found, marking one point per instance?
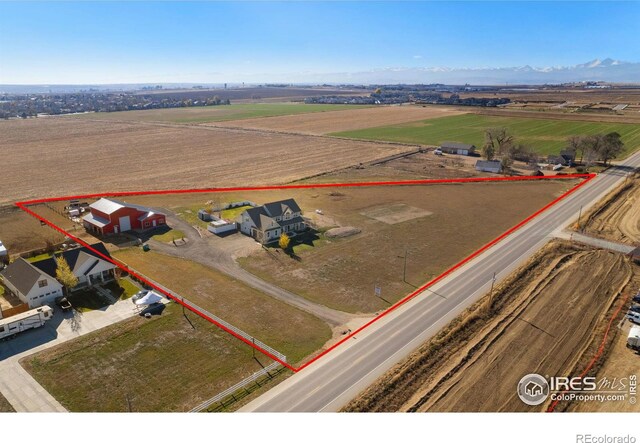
(636, 298)
(63, 303)
(634, 317)
(635, 308)
(438, 152)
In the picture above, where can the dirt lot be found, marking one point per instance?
(347, 120)
(619, 363)
(443, 224)
(20, 232)
(617, 217)
(167, 363)
(77, 156)
(420, 165)
(543, 319)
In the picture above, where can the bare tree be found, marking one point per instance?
(611, 145)
(500, 139)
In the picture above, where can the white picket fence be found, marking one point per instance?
(224, 394)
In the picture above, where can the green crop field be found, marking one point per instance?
(210, 114)
(545, 135)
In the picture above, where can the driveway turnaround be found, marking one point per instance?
(220, 253)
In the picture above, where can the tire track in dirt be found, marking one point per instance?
(542, 320)
(617, 218)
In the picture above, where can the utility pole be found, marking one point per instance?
(493, 281)
(404, 272)
(253, 347)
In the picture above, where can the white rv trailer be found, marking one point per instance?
(15, 324)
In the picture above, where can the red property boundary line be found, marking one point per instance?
(23, 205)
(596, 357)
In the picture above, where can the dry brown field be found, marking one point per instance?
(62, 156)
(547, 318)
(21, 232)
(437, 224)
(556, 114)
(626, 96)
(341, 273)
(617, 217)
(345, 120)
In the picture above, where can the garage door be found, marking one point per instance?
(125, 224)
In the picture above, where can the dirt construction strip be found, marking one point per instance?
(542, 320)
(617, 218)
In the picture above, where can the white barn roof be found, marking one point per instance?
(106, 206)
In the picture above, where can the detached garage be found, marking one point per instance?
(110, 216)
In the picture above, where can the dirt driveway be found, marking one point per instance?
(220, 253)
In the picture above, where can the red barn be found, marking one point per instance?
(110, 216)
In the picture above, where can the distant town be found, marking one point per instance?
(143, 97)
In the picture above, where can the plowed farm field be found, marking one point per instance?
(60, 156)
(344, 120)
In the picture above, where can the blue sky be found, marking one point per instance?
(112, 42)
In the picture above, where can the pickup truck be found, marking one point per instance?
(63, 303)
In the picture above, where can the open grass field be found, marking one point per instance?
(287, 329)
(345, 119)
(78, 156)
(548, 317)
(166, 237)
(166, 363)
(5, 406)
(546, 136)
(208, 114)
(437, 224)
(233, 213)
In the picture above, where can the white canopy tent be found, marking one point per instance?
(149, 299)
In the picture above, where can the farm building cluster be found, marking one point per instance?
(265, 223)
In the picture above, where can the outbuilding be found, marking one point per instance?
(457, 148)
(494, 166)
(109, 216)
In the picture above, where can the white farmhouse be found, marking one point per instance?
(268, 222)
(30, 284)
(88, 264)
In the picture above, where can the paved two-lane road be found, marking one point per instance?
(332, 381)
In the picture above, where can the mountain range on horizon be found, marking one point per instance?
(605, 70)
